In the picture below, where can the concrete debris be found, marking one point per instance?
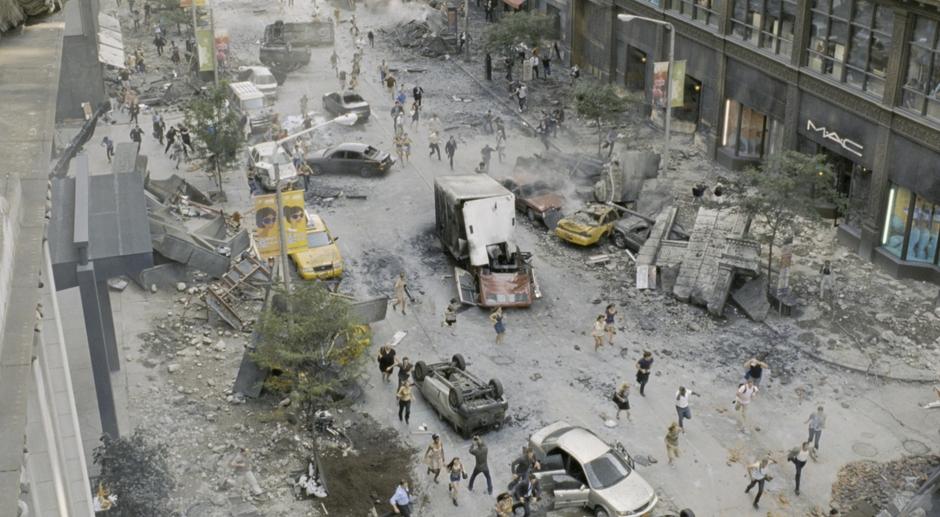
(181, 286)
(622, 182)
(225, 297)
(430, 37)
(752, 298)
(716, 252)
(117, 284)
(598, 259)
(864, 485)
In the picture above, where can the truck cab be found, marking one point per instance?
(475, 221)
(248, 101)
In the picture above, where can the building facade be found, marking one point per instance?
(856, 80)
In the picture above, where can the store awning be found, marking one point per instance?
(515, 4)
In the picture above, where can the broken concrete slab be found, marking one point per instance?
(752, 298)
(717, 251)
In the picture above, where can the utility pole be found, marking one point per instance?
(282, 232)
(215, 51)
(466, 26)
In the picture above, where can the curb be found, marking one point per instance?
(852, 368)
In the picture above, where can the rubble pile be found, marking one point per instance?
(877, 484)
(420, 36)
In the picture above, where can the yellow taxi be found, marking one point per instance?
(321, 260)
(588, 225)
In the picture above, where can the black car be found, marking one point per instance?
(632, 230)
(350, 158)
(341, 103)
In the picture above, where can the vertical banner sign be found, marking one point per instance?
(677, 84)
(660, 73)
(296, 220)
(205, 45)
(267, 234)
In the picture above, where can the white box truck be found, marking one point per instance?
(475, 220)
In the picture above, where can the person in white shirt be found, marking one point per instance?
(745, 394)
(799, 457)
(757, 472)
(682, 405)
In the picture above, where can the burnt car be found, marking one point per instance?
(460, 398)
(343, 103)
(350, 158)
(632, 230)
(536, 199)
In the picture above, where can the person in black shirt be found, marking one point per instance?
(386, 360)
(643, 367)
(755, 370)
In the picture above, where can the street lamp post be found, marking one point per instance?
(347, 119)
(672, 50)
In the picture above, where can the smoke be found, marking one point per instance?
(397, 11)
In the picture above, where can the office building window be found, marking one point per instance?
(702, 11)
(922, 85)
(914, 217)
(767, 24)
(749, 133)
(850, 41)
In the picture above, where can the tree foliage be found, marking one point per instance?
(169, 12)
(526, 27)
(136, 470)
(601, 103)
(312, 345)
(785, 194)
(215, 125)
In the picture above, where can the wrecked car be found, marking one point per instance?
(350, 158)
(475, 220)
(536, 199)
(342, 103)
(579, 470)
(321, 260)
(632, 230)
(459, 397)
(261, 160)
(589, 225)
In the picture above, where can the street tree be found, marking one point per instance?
(135, 468)
(217, 127)
(524, 27)
(170, 13)
(787, 193)
(311, 341)
(601, 103)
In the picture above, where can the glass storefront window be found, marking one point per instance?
(895, 223)
(850, 41)
(922, 85)
(767, 24)
(922, 243)
(749, 133)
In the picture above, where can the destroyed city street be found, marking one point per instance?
(470, 258)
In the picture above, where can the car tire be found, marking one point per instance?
(315, 171)
(459, 362)
(600, 512)
(496, 388)
(366, 172)
(455, 397)
(619, 240)
(421, 371)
